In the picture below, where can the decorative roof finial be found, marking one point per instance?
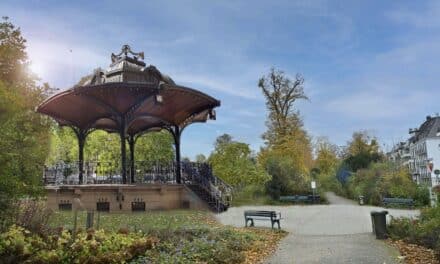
(126, 50)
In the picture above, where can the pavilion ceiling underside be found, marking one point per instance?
(101, 106)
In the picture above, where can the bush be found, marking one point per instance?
(424, 231)
(385, 180)
(33, 215)
(206, 242)
(251, 194)
(421, 196)
(19, 245)
(286, 180)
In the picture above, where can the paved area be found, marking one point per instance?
(334, 199)
(336, 233)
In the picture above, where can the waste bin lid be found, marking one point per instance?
(379, 213)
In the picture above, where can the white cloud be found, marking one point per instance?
(377, 104)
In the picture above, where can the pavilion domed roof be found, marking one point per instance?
(131, 96)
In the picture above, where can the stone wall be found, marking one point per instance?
(123, 198)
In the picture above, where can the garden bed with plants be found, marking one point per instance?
(418, 238)
(151, 237)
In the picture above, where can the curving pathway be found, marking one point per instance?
(336, 233)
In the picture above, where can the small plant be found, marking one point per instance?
(424, 231)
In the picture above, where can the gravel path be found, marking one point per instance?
(335, 233)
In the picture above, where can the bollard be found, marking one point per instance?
(89, 223)
(98, 220)
(75, 220)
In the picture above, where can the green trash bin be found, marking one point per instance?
(379, 223)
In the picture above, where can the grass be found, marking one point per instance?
(182, 236)
(150, 220)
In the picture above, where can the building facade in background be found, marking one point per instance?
(421, 153)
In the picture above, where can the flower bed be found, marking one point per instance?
(174, 237)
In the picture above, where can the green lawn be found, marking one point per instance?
(151, 220)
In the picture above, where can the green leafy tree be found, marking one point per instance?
(201, 158)
(361, 151)
(385, 179)
(326, 165)
(327, 159)
(232, 161)
(155, 147)
(24, 134)
(287, 143)
(105, 148)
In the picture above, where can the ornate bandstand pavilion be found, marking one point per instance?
(131, 99)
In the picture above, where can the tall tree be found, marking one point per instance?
(361, 151)
(200, 158)
(287, 155)
(326, 156)
(281, 93)
(24, 134)
(223, 139)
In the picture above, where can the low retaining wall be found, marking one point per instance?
(123, 198)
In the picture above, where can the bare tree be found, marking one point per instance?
(281, 93)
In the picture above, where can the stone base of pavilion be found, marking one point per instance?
(123, 197)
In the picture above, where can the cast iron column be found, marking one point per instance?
(81, 142)
(81, 137)
(131, 142)
(177, 145)
(122, 134)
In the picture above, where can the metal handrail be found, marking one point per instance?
(200, 174)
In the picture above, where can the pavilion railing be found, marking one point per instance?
(193, 173)
(201, 174)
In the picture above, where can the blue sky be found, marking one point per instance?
(368, 65)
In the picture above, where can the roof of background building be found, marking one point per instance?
(429, 129)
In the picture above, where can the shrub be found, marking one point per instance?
(425, 231)
(19, 245)
(421, 196)
(385, 180)
(286, 179)
(33, 215)
(250, 194)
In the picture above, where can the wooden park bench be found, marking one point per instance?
(398, 201)
(271, 216)
(301, 198)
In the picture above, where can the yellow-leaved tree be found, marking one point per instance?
(287, 154)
